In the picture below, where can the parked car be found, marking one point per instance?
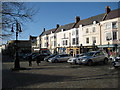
(50, 56)
(30, 56)
(116, 61)
(74, 59)
(92, 57)
(39, 57)
(60, 58)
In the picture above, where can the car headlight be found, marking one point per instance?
(83, 59)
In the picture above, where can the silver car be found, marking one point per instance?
(73, 59)
(92, 57)
(60, 58)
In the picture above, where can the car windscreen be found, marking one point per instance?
(89, 54)
(52, 55)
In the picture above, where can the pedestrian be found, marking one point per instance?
(30, 60)
(38, 59)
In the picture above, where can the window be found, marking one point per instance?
(73, 41)
(93, 29)
(76, 32)
(114, 25)
(54, 36)
(108, 36)
(87, 31)
(64, 35)
(63, 42)
(114, 35)
(94, 39)
(54, 43)
(107, 25)
(87, 40)
(73, 33)
(66, 42)
(77, 41)
(47, 44)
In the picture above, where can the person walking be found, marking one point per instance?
(30, 60)
(38, 59)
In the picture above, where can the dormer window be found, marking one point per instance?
(62, 30)
(94, 22)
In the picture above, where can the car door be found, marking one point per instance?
(102, 55)
(60, 58)
(66, 57)
(96, 57)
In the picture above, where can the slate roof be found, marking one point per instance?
(48, 32)
(90, 20)
(65, 27)
(112, 14)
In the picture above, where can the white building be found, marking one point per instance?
(84, 35)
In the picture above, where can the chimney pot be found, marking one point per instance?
(107, 9)
(77, 19)
(44, 30)
(57, 25)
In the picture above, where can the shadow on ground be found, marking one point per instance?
(18, 79)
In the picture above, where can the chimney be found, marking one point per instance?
(44, 30)
(77, 19)
(57, 25)
(107, 9)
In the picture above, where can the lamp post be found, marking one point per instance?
(94, 46)
(18, 29)
(81, 48)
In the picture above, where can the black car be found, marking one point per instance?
(31, 56)
(50, 56)
(39, 57)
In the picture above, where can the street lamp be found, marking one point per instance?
(94, 46)
(81, 48)
(18, 29)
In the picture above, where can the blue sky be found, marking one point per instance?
(52, 13)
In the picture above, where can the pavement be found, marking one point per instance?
(59, 75)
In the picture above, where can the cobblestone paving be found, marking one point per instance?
(59, 75)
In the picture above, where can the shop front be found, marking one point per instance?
(73, 50)
(112, 49)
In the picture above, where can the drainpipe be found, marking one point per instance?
(100, 34)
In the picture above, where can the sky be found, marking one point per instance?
(52, 13)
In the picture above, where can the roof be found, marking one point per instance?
(90, 20)
(65, 27)
(113, 14)
(48, 32)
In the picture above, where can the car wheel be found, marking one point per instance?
(105, 61)
(55, 60)
(75, 62)
(90, 63)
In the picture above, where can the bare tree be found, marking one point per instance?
(12, 11)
